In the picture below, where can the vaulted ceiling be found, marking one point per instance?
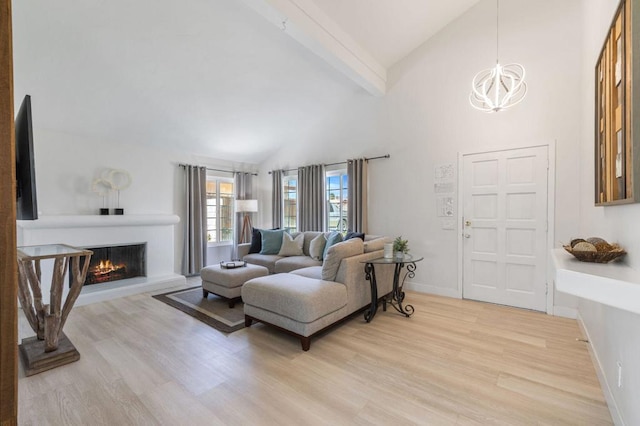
(390, 30)
(227, 79)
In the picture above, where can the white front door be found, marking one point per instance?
(504, 228)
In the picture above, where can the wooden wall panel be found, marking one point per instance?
(8, 265)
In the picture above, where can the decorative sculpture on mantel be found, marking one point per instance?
(111, 180)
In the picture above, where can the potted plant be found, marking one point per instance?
(400, 246)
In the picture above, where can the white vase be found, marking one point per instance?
(388, 251)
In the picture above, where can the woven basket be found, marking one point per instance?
(597, 256)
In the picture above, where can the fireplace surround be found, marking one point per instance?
(156, 230)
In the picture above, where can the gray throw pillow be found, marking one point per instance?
(336, 253)
(316, 248)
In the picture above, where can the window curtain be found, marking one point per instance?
(277, 199)
(311, 197)
(357, 212)
(243, 186)
(194, 256)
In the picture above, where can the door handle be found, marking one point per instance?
(467, 235)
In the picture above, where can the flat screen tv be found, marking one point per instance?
(26, 200)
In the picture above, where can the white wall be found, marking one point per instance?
(425, 120)
(67, 164)
(614, 334)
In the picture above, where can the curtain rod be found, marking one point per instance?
(345, 162)
(219, 170)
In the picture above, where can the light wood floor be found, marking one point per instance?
(453, 362)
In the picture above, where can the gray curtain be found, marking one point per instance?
(194, 256)
(311, 198)
(357, 212)
(243, 187)
(277, 201)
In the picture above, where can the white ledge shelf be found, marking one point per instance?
(613, 284)
(93, 221)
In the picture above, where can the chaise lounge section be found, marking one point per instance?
(307, 301)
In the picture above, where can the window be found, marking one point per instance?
(290, 196)
(220, 197)
(337, 195)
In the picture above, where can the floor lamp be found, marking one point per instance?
(247, 207)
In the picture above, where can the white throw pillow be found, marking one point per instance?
(316, 248)
(291, 246)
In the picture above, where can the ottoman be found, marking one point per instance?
(227, 283)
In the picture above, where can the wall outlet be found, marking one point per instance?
(619, 374)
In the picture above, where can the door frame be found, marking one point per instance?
(8, 257)
(551, 208)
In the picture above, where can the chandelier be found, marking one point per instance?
(500, 87)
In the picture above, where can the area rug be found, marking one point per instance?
(213, 311)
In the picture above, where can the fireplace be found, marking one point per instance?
(116, 262)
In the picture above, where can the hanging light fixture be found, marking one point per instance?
(497, 88)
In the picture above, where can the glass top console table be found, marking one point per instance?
(50, 347)
(407, 262)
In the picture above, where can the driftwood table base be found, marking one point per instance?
(50, 347)
(36, 360)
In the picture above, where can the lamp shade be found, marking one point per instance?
(248, 206)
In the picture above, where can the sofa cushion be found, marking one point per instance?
(336, 253)
(291, 263)
(271, 241)
(316, 248)
(291, 246)
(266, 260)
(295, 297)
(309, 272)
(333, 238)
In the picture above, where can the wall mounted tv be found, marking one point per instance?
(26, 200)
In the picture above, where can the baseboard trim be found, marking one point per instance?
(137, 285)
(431, 289)
(563, 311)
(602, 378)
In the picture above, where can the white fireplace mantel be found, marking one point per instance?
(88, 221)
(613, 284)
(157, 231)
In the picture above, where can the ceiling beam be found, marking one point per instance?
(307, 24)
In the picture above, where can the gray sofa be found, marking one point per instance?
(304, 297)
(277, 264)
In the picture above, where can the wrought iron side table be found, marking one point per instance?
(397, 294)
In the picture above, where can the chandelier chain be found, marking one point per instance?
(497, 30)
(501, 87)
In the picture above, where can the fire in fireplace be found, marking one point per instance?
(117, 262)
(107, 271)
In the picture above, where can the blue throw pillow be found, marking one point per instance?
(271, 241)
(334, 238)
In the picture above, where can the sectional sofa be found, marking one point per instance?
(303, 295)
